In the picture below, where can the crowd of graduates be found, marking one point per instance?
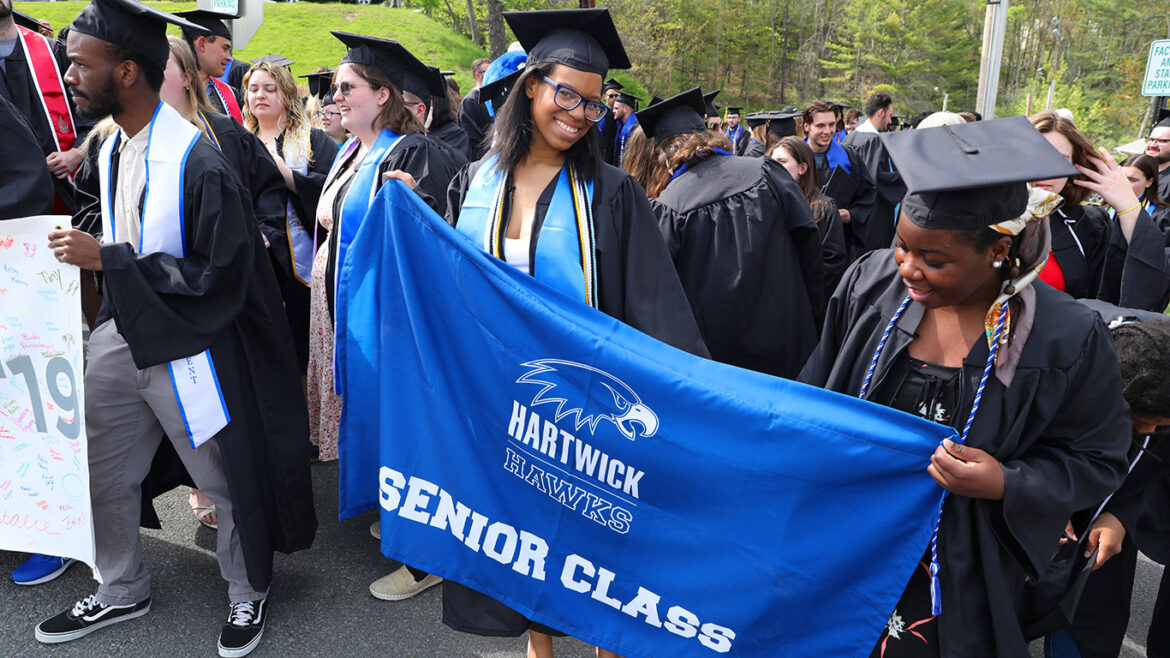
(1004, 277)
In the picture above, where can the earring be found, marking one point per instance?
(997, 264)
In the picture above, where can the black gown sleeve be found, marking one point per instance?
(26, 186)
(265, 184)
(475, 121)
(457, 189)
(1135, 274)
(834, 250)
(168, 307)
(861, 206)
(431, 167)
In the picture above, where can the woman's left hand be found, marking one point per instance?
(966, 471)
(403, 176)
(1107, 179)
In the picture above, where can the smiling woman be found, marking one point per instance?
(543, 201)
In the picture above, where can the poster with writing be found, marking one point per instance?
(44, 473)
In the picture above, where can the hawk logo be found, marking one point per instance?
(560, 381)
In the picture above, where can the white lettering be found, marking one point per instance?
(646, 603)
(516, 425)
(601, 592)
(478, 523)
(450, 514)
(716, 638)
(568, 572)
(530, 559)
(391, 482)
(681, 622)
(502, 554)
(417, 499)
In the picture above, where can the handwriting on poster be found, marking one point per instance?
(44, 476)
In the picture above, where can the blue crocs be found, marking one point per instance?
(41, 569)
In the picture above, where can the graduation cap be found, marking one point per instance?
(497, 92)
(655, 99)
(611, 84)
(319, 83)
(389, 57)
(446, 74)
(676, 115)
(628, 99)
(275, 60)
(28, 22)
(839, 104)
(708, 99)
(780, 122)
(756, 119)
(582, 39)
(972, 175)
(1162, 120)
(211, 21)
(734, 110)
(327, 99)
(133, 25)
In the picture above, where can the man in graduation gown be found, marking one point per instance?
(1158, 147)
(866, 141)
(213, 48)
(26, 187)
(843, 176)
(623, 115)
(474, 118)
(191, 338)
(31, 66)
(735, 132)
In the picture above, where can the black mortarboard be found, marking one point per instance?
(211, 21)
(426, 85)
(389, 57)
(731, 109)
(756, 119)
(319, 83)
(327, 99)
(972, 175)
(655, 99)
(709, 100)
(628, 99)
(275, 60)
(1163, 118)
(582, 39)
(28, 22)
(611, 84)
(841, 104)
(497, 92)
(133, 25)
(676, 115)
(780, 123)
(446, 73)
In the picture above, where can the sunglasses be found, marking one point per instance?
(345, 88)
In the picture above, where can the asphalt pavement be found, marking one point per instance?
(320, 603)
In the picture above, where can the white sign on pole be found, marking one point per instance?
(1157, 82)
(44, 467)
(251, 16)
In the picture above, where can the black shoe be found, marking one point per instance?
(244, 628)
(86, 616)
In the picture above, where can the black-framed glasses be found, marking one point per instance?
(328, 114)
(1157, 140)
(568, 100)
(344, 88)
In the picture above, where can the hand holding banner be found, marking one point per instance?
(44, 472)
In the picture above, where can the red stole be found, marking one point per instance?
(50, 87)
(229, 99)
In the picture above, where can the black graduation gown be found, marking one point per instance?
(754, 149)
(1098, 264)
(476, 122)
(433, 166)
(1061, 433)
(18, 86)
(834, 251)
(1164, 184)
(878, 232)
(748, 253)
(26, 186)
(855, 191)
(636, 282)
(257, 172)
(451, 134)
(223, 296)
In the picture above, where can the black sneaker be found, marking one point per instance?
(244, 628)
(86, 616)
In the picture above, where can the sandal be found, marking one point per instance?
(202, 514)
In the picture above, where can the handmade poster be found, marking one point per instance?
(44, 473)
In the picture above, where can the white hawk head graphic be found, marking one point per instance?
(561, 381)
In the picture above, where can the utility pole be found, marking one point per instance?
(994, 28)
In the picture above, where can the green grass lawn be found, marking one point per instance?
(300, 32)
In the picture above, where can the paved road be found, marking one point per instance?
(320, 603)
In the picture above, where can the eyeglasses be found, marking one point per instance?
(328, 114)
(345, 88)
(1157, 140)
(568, 100)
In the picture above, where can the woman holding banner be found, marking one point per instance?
(543, 201)
(947, 327)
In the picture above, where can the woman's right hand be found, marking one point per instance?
(1105, 536)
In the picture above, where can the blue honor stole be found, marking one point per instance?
(565, 257)
(169, 142)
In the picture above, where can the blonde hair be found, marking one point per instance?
(189, 65)
(297, 127)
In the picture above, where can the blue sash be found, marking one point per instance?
(623, 134)
(169, 142)
(361, 191)
(837, 156)
(682, 169)
(564, 250)
(733, 134)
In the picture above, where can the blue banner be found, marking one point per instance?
(603, 483)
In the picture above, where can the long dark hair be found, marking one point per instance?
(513, 131)
(808, 183)
(1149, 168)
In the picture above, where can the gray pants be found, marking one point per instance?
(127, 410)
